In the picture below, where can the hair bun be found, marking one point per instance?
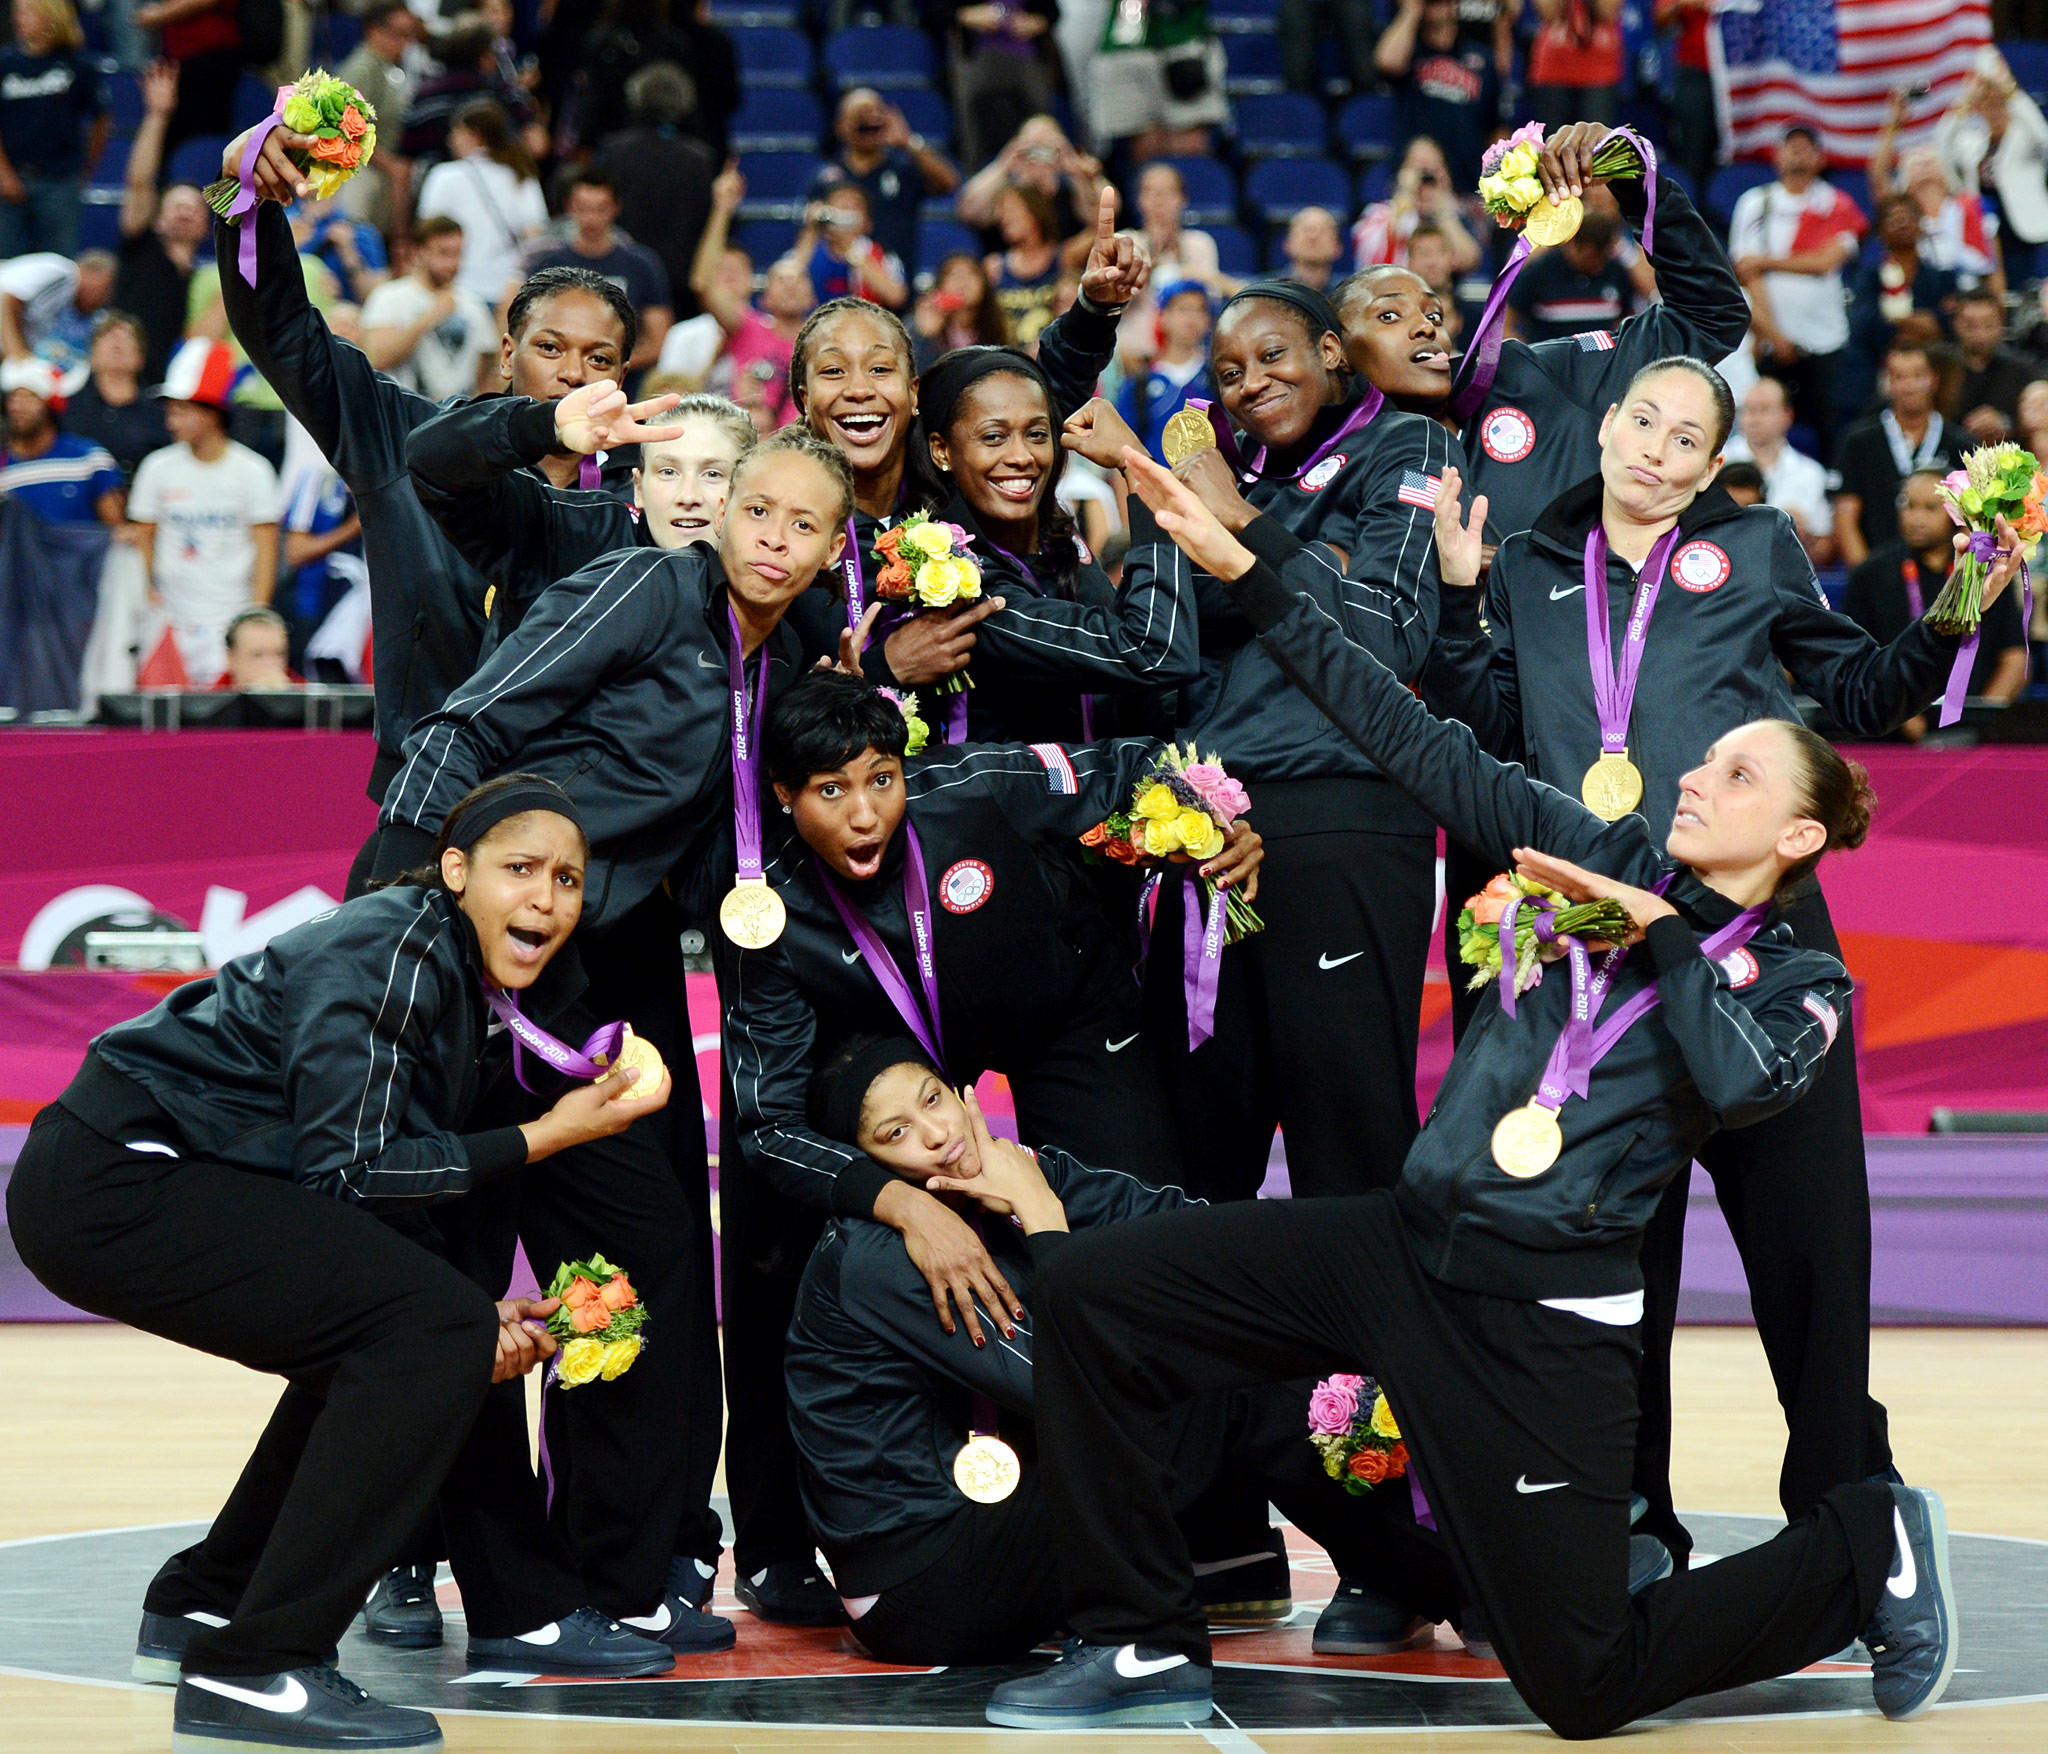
(1856, 814)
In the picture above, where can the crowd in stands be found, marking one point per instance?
(731, 164)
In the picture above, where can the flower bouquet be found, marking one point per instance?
(925, 568)
(598, 1324)
(1513, 193)
(1998, 481)
(1354, 1431)
(906, 704)
(1179, 811)
(343, 123)
(1542, 923)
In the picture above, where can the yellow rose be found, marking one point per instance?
(1157, 804)
(1210, 847)
(1524, 193)
(1161, 838)
(1520, 162)
(932, 540)
(970, 578)
(1193, 829)
(1492, 190)
(326, 180)
(1383, 1420)
(301, 113)
(580, 1362)
(619, 1356)
(937, 583)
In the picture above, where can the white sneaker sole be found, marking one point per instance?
(158, 1671)
(189, 1742)
(1170, 1713)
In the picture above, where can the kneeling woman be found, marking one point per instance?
(220, 1173)
(1495, 1292)
(937, 1563)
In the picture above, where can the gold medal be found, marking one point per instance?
(752, 914)
(987, 1469)
(1552, 223)
(637, 1052)
(1186, 433)
(1613, 786)
(1526, 1140)
(490, 597)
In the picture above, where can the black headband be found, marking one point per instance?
(1321, 314)
(951, 375)
(843, 1086)
(529, 792)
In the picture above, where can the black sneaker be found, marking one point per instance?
(679, 1623)
(792, 1593)
(1255, 1590)
(692, 1579)
(1912, 1638)
(312, 1708)
(1361, 1622)
(402, 1611)
(583, 1643)
(1477, 1637)
(1649, 1561)
(160, 1645)
(1100, 1685)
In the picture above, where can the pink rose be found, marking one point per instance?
(1332, 1406)
(961, 538)
(1218, 790)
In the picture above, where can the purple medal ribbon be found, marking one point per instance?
(1983, 547)
(242, 210)
(1614, 695)
(589, 474)
(1484, 349)
(1546, 933)
(598, 1052)
(856, 578)
(746, 756)
(1368, 405)
(917, 904)
(1201, 948)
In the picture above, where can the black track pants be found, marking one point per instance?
(1522, 1418)
(1316, 1019)
(1796, 1195)
(388, 1350)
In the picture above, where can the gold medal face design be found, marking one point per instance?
(987, 1469)
(641, 1054)
(752, 914)
(1186, 433)
(1550, 224)
(1526, 1140)
(1613, 786)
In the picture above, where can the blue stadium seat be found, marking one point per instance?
(1278, 187)
(197, 160)
(113, 165)
(881, 55)
(1375, 182)
(123, 92)
(1212, 191)
(1252, 65)
(1729, 184)
(99, 223)
(1236, 254)
(773, 55)
(1365, 126)
(777, 183)
(765, 239)
(1684, 182)
(1282, 124)
(2029, 63)
(1244, 17)
(939, 238)
(253, 101)
(927, 112)
(777, 121)
(343, 31)
(741, 13)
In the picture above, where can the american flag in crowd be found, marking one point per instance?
(1419, 489)
(1833, 64)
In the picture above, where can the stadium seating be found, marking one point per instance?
(1244, 17)
(939, 238)
(777, 183)
(1281, 125)
(765, 239)
(253, 101)
(778, 121)
(1253, 65)
(1276, 188)
(113, 162)
(197, 160)
(1365, 126)
(741, 14)
(1236, 254)
(773, 55)
(1212, 191)
(927, 112)
(882, 55)
(123, 92)
(1729, 184)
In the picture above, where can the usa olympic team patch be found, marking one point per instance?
(1508, 435)
(1700, 567)
(1323, 473)
(1740, 967)
(965, 886)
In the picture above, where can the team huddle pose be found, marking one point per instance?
(638, 667)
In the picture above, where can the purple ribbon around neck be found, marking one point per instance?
(1425, 1518)
(242, 209)
(1983, 548)
(854, 572)
(746, 753)
(1545, 910)
(589, 474)
(1368, 405)
(923, 1021)
(528, 1037)
(1614, 694)
(1201, 948)
(1490, 332)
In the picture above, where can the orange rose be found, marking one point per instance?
(1370, 1465)
(1095, 836)
(1397, 1459)
(580, 1292)
(588, 1317)
(338, 151)
(889, 542)
(1492, 901)
(895, 580)
(618, 1293)
(353, 122)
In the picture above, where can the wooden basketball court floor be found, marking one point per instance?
(102, 1428)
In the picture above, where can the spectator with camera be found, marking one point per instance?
(894, 169)
(960, 310)
(1423, 194)
(844, 260)
(1996, 136)
(1446, 85)
(1039, 156)
(758, 339)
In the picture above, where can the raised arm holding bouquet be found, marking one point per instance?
(322, 132)
(1996, 497)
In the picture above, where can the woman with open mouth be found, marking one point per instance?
(1071, 657)
(238, 1171)
(1645, 610)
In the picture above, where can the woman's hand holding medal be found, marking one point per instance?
(595, 1111)
(1195, 529)
(1209, 476)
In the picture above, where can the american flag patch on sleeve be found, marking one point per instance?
(1829, 1021)
(1418, 489)
(1059, 771)
(1595, 341)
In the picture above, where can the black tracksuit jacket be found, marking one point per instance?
(1539, 426)
(344, 1056)
(426, 600)
(1730, 1043)
(1385, 598)
(1018, 968)
(1715, 657)
(881, 1398)
(614, 686)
